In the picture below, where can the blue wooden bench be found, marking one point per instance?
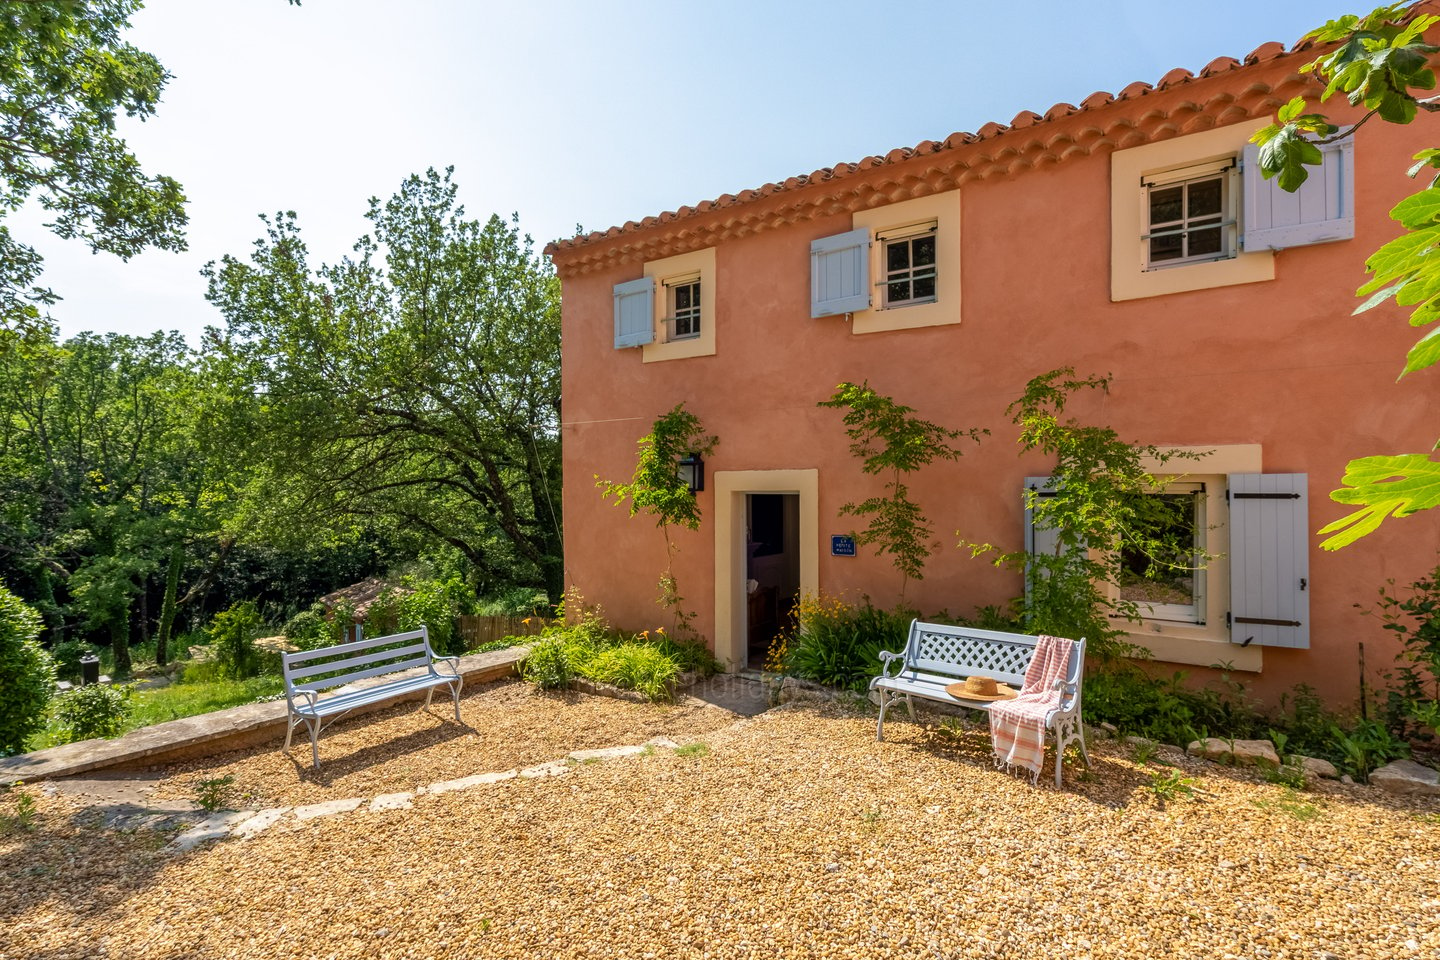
(937, 655)
(318, 687)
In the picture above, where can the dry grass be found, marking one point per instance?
(795, 835)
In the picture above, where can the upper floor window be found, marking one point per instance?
(884, 273)
(682, 303)
(1190, 216)
(910, 267)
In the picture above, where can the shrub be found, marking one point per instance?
(232, 636)
(514, 602)
(1413, 704)
(589, 647)
(634, 666)
(309, 630)
(96, 710)
(27, 673)
(839, 645)
(436, 604)
(548, 665)
(67, 654)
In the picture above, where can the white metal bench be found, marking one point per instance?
(937, 655)
(312, 676)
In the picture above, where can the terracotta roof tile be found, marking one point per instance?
(1221, 107)
(1177, 76)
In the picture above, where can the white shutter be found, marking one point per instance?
(840, 274)
(1269, 560)
(1043, 540)
(634, 313)
(1323, 209)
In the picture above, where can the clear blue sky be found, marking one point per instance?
(588, 113)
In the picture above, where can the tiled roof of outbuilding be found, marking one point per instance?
(1030, 139)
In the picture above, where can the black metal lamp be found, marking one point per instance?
(692, 471)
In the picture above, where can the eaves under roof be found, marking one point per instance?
(1225, 91)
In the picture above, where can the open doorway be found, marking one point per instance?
(772, 569)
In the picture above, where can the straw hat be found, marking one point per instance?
(981, 688)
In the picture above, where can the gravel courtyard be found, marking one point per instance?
(793, 834)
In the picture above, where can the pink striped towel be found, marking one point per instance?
(1017, 727)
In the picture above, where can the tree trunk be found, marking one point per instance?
(120, 643)
(167, 607)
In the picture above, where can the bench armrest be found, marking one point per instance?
(887, 658)
(311, 697)
(1068, 694)
(452, 662)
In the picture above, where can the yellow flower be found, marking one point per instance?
(659, 629)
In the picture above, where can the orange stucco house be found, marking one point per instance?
(1128, 235)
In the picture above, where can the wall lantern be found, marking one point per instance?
(692, 472)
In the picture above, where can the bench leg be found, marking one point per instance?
(884, 705)
(455, 694)
(1067, 731)
(910, 705)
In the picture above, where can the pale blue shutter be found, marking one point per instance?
(634, 313)
(1323, 209)
(1269, 559)
(1038, 541)
(840, 274)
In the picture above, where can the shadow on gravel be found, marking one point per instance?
(371, 755)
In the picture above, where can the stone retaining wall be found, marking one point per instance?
(212, 733)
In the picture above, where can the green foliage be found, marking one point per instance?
(1380, 64)
(838, 644)
(634, 666)
(66, 75)
(94, 710)
(25, 815)
(656, 488)
(1290, 775)
(1290, 802)
(1413, 702)
(589, 647)
(413, 386)
(67, 655)
(893, 444)
(696, 749)
(310, 630)
(513, 602)
(1101, 510)
(1365, 748)
(437, 605)
(1168, 785)
(548, 665)
(214, 793)
(27, 673)
(232, 636)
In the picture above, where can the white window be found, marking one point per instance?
(1190, 215)
(1169, 583)
(1195, 213)
(682, 308)
(896, 268)
(1253, 590)
(911, 271)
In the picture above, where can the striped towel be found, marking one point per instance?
(1017, 727)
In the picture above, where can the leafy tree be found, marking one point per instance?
(65, 74)
(1380, 61)
(892, 443)
(414, 387)
(27, 674)
(657, 489)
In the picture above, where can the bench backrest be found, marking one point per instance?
(943, 650)
(344, 663)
